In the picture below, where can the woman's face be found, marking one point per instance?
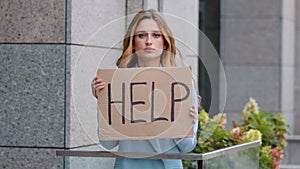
(148, 43)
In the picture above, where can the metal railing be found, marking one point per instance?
(210, 158)
(183, 156)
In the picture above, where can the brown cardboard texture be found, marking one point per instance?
(145, 103)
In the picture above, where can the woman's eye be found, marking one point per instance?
(156, 35)
(141, 35)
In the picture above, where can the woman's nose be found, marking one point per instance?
(149, 39)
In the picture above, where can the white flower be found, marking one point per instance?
(251, 106)
(253, 135)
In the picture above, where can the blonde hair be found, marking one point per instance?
(128, 57)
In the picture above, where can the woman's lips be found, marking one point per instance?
(149, 49)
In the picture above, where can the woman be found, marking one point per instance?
(149, 43)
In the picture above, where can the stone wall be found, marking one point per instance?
(33, 82)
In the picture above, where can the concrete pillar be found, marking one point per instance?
(257, 50)
(183, 20)
(94, 37)
(297, 70)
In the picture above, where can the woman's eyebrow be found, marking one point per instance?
(143, 31)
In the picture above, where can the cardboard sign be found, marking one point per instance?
(145, 103)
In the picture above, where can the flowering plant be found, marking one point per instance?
(255, 125)
(273, 130)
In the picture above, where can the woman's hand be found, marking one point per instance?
(193, 114)
(97, 85)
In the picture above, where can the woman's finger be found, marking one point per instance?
(97, 84)
(193, 114)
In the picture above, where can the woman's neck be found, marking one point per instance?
(149, 63)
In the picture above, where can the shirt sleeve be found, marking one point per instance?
(109, 144)
(188, 144)
(105, 143)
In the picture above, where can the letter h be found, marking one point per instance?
(116, 101)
